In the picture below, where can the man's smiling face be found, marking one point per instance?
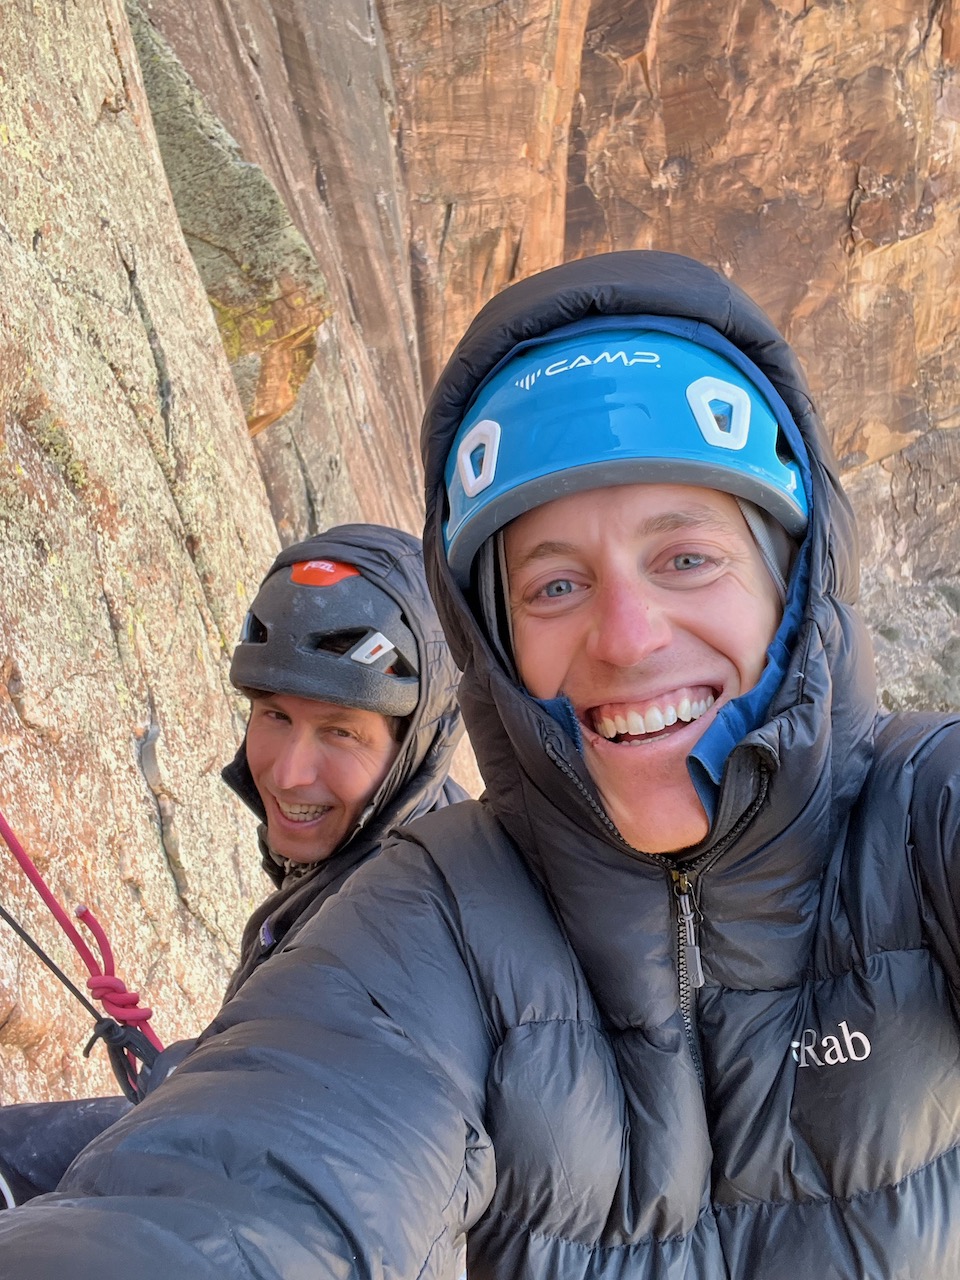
(648, 607)
(316, 766)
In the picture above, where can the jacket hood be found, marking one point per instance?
(829, 680)
(392, 560)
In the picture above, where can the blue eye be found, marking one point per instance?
(689, 560)
(559, 587)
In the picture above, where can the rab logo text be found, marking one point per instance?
(829, 1052)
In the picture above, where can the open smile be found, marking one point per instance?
(301, 814)
(646, 720)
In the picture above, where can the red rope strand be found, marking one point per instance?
(120, 1004)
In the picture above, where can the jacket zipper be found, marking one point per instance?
(689, 965)
(687, 920)
(689, 915)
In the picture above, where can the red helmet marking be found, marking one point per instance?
(321, 573)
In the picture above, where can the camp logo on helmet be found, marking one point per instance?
(583, 361)
(321, 573)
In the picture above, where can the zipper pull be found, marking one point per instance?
(686, 904)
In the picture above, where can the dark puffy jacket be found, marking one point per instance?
(39, 1140)
(418, 781)
(493, 1033)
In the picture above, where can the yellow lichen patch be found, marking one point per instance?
(49, 432)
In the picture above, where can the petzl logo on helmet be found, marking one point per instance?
(372, 649)
(321, 573)
(477, 456)
(722, 411)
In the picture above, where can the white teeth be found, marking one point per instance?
(653, 720)
(301, 812)
(635, 724)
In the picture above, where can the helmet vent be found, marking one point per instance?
(722, 415)
(254, 632)
(336, 641)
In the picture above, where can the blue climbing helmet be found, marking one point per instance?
(620, 400)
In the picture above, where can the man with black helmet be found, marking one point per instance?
(353, 723)
(353, 717)
(677, 999)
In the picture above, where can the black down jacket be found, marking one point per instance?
(417, 782)
(489, 1030)
(39, 1140)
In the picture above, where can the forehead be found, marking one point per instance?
(622, 512)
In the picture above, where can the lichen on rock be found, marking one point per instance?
(267, 291)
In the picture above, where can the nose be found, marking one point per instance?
(297, 761)
(629, 624)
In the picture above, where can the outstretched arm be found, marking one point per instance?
(329, 1124)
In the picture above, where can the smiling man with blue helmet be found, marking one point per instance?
(624, 409)
(677, 998)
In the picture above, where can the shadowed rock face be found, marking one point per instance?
(306, 92)
(349, 184)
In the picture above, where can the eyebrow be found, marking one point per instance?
(695, 517)
(337, 710)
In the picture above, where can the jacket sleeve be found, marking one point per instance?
(934, 838)
(330, 1123)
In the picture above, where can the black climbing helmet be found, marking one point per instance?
(320, 629)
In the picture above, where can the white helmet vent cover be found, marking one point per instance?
(722, 411)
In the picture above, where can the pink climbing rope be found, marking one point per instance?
(105, 986)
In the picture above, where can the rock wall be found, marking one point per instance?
(133, 528)
(239, 238)
(305, 89)
(807, 149)
(810, 151)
